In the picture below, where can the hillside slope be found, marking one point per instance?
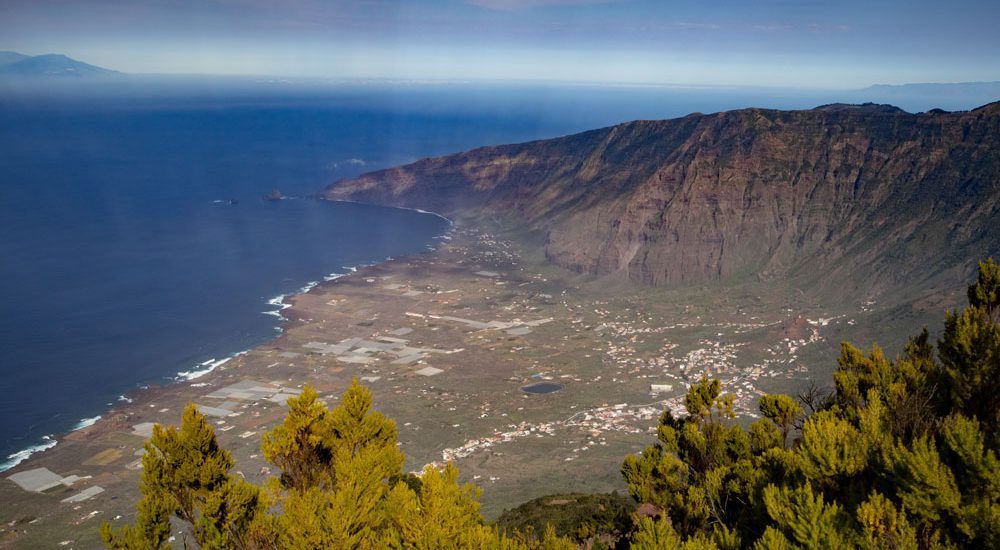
(867, 196)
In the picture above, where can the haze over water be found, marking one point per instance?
(124, 262)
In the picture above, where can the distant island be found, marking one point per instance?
(13, 64)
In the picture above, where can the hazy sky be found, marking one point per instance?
(807, 43)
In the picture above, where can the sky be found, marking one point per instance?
(783, 43)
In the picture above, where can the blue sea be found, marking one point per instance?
(136, 248)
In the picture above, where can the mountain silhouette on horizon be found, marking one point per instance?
(13, 64)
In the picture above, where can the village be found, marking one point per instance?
(523, 378)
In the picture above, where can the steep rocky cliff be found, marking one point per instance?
(868, 195)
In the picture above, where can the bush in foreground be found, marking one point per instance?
(341, 486)
(902, 454)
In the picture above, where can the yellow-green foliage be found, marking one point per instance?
(185, 474)
(782, 410)
(341, 486)
(801, 516)
(883, 527)
(904, 455)
(299, 445)
(660, 534)
(831, 448)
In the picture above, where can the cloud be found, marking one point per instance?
(519, 5)
(349, 162)
(808, 27)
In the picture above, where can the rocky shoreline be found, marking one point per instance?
(446, 340)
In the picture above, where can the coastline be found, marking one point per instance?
(281, 301)
(451, 223)
(446, 340)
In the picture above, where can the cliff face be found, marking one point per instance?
(868, 194)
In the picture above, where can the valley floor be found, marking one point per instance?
(446, 340)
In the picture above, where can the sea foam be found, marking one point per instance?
(278, 302)
(86, 422)
(206, 367)
(14, 459)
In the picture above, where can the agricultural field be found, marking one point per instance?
(449, 341)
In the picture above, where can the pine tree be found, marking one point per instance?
(883, 526)
(342, 486)
(363, 499)
(186, 474)
(985, 292)
(803, 518)
(904, 455)
(301, 445)
(783, 411)
(832, 449)
(970, 354)
(151, 530)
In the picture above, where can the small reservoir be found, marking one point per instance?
(542, 387)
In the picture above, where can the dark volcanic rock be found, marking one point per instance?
(867, 195)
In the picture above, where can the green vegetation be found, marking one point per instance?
(341, 486)
(581, 517)
(902, 454)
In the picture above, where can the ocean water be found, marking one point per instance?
(123, 260)
(124, 272)
(134, 242)
(136, 248)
